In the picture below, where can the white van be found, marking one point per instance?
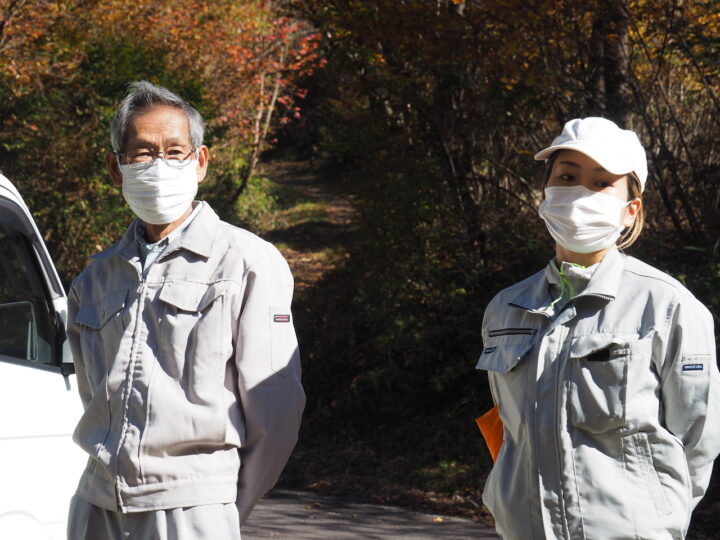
(39, 403)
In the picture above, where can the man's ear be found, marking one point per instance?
(113, 168)
(203, 158)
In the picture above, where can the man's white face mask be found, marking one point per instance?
(582, 220)
(160, 194)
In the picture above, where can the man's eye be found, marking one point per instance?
(140, 153)
(177, 152)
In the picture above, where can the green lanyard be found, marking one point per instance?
(564, 284)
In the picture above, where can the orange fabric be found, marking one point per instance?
(492, 429)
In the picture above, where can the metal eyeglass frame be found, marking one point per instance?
(142, 165)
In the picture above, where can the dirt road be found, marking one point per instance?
(311, 232)
(300, 515)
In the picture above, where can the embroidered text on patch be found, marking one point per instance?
(281, 318)
(692, 367)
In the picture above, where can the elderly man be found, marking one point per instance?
(184, 347)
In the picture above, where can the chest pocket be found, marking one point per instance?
(191, 297)
(97, 315)
(503, 358)
(599, 366)
(101, 330)
(194, 335)
(505, 347)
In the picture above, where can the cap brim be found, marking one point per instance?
(608, 162)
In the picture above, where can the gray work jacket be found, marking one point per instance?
(190, 377)
(611, 408)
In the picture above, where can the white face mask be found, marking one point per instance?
(160, 194)
(582, 220)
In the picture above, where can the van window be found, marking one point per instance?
(26, 318)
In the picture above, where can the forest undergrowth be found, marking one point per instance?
(375, 433)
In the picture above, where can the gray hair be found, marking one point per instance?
(143, 95)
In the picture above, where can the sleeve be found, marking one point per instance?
(690, 390)
(73, 334)
(268, 363)
(487, 315)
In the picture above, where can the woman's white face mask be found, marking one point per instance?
(582, 220)
(160, 194)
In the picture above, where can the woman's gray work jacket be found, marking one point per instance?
(610, 408)
(190, 376)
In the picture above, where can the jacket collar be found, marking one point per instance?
(199, 237)
(535, 296)
(126, 247)
(604, 283)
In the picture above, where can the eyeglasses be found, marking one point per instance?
(176, 156)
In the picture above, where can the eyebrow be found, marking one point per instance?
(577, 166)
(173, 141)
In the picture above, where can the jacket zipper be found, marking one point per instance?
(129, 376)
(512, 332)
(558, 392)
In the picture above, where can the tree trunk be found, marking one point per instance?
(596, 81)
(616, 63)
(608, 86)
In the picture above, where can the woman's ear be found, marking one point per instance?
(633, 209)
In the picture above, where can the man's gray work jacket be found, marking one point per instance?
(610, 408)
(190, 377)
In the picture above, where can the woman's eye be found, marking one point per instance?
(567, 177)
(601, 184)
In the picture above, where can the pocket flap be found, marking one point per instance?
(191, 296)
(96, 315)
(584, 346)
(502, 358)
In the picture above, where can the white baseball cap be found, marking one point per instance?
(617, 150)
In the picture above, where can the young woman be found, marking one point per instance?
(603, 368)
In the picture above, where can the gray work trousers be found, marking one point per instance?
(211, 521)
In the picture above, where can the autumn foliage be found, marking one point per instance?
(486, 83)
(65, 64)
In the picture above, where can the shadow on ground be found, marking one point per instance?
(311, 236)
